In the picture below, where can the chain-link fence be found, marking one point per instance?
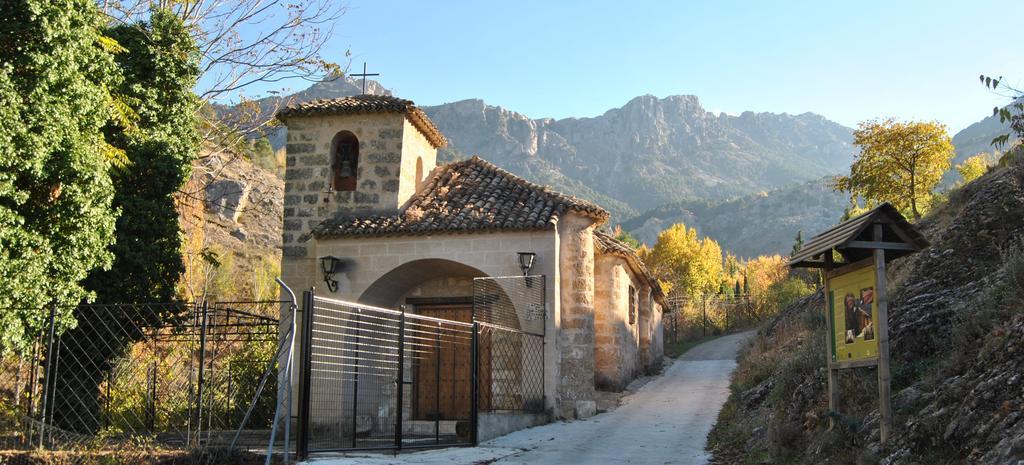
(168, 377)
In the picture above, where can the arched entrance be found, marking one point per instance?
(411, 365)
(393, 287)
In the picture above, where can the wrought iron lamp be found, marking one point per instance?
(526, 261)
(330, 265)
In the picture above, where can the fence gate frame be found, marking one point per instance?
(346, 342)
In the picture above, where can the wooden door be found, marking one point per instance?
(444, 372)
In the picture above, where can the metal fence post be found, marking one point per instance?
(437, 385)
(400, 380)
(355, 382)
(47, 372)
(151, 401)
(202, 368)
(305, 367)
(475, 392)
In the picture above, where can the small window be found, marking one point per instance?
(345, 161)
(633, 304)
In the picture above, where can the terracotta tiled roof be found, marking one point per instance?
(467, 196)
(607, 244)
(357, 104)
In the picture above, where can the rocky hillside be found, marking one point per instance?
(756, 224)
(957, 329)
(241, 225)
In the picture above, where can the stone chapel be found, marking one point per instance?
(363, 184)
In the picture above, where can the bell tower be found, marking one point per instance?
(352, 156)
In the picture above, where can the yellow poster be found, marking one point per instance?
(852, 315)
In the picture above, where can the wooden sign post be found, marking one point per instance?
(859, 336)
(882, 303)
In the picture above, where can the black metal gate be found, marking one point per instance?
(377, 378)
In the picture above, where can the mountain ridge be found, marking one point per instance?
(658, 157)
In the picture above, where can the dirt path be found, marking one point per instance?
(666, 421)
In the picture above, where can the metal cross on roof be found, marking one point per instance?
(364, 75)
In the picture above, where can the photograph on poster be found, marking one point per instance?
(853, 312)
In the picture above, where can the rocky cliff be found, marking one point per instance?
(957, 330)
(652, 151)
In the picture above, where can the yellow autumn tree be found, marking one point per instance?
(899, 162)
(761, 274)
(975, 166)
(692, 265)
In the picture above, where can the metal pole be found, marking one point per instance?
(288, 375)
(400, 381)
(288, 380)
(110, 380)
(305, 367)
(33, 378)
(833, 373)
(475, 393)
(289, 337)
(151, 407)
(437, 385)
(202, 368)
(355, 382)
(47, 371)
(704, 311)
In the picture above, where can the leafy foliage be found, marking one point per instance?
(1012, 113)
(56, 220)
(973, 167)
(691, 264)
(899, 163)
(160, 68)
(626, 237)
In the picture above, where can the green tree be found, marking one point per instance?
(798, 244)
(158, 61)
(692, 265)
(160, 65)
(262, 155)
(899, 163)
(56, 220)
(625, 236)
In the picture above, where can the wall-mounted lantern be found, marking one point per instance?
(526, 261)
(330, 265)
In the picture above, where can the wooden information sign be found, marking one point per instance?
(856, 302)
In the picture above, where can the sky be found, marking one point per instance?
(849, 61)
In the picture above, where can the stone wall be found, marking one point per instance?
(389, 147)
(652, 337)
(616, 348)
(576, 337)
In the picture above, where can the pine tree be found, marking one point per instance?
(799, 244)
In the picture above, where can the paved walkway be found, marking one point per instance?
(665, 422)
